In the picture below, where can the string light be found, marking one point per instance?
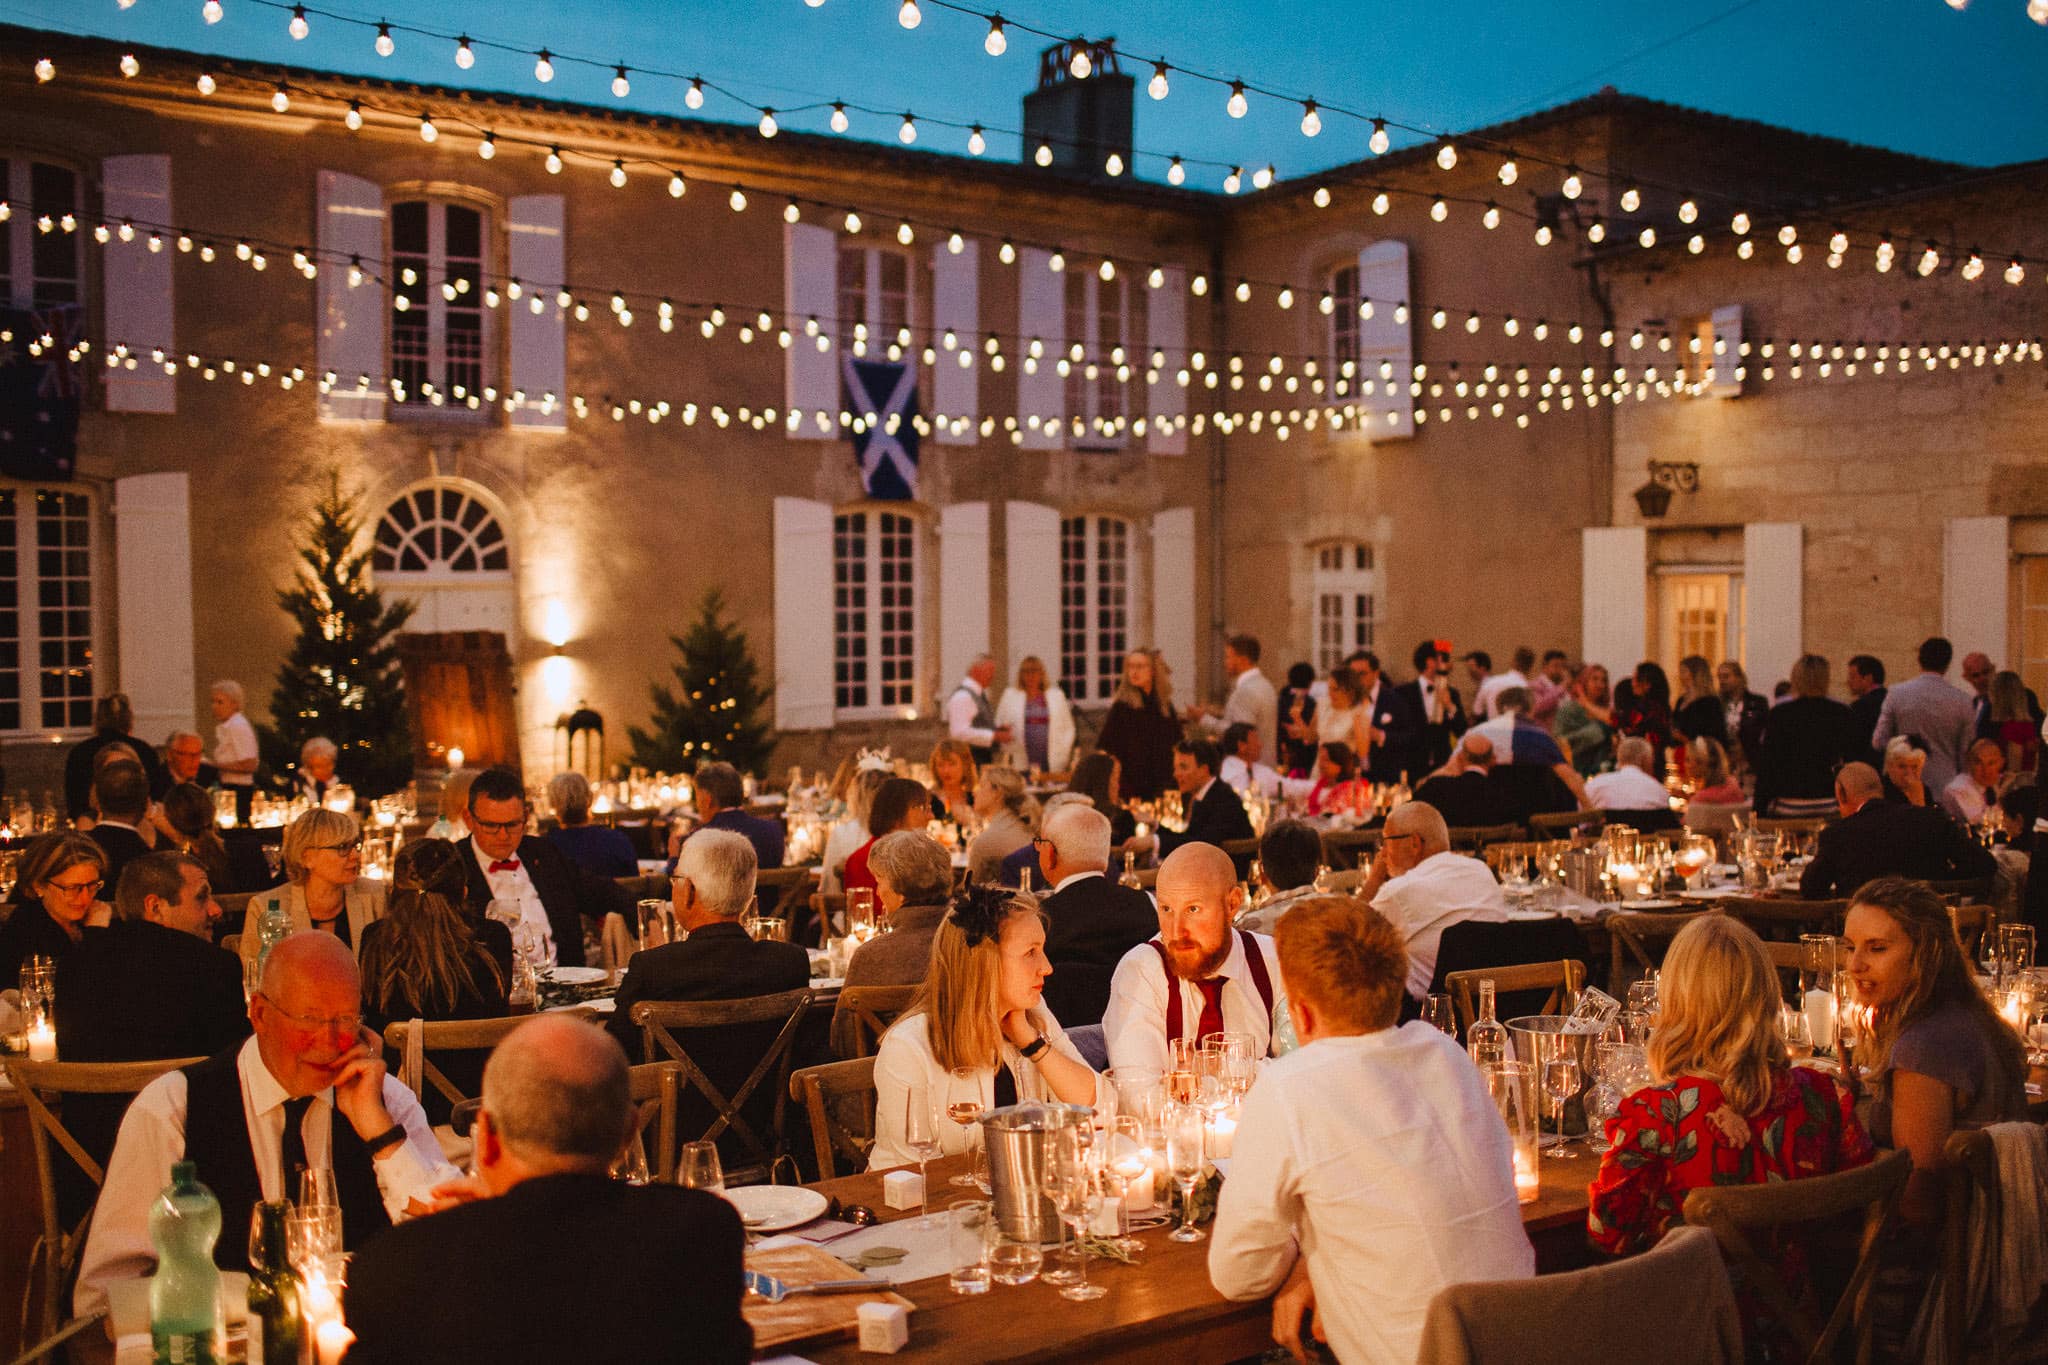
(1043, 156)
(1263, 177)
(852, 223)
(205, 83)
(1739, 224)
(428, 132)
(1232, 181)
(130, 67)
(1311, 121)
(995, 44)
(621, 87)
(354, 117)
(298, 27)
(1491, 218)
(1438, 209)
(1379, 141)
(280, 98)
(909, 15)
(768, 124)
(1156, 87)
(1114, 165)
(1631, 199)
(1236, 104)
(1447, 155)
(1176, 173)
(907, 134)
(1509, 172)
(694, 96)
(488, 148)
(385, 44)
(618, 175)
(1573, 186)
(554, 161)
(738, 200)
(465, 57)
(543, 66)
(210, 11)
(1081, 66)
(976, 143)
(1688, 212)
(676, 187)
(46, 70)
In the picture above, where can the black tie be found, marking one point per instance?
(293, 1153)
(1006, 1087)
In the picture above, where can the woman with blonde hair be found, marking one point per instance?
(60, 891)
(2012, 722)
(978, 1031)
(1804, 741)
(1725, 1105)
(1706, 759)
(1142, 727)
(1039, 718)
(1905, 764)
(953, 777)
(1009, 819)
(323, 862)
(851, 832)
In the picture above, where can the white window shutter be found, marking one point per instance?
(352, 320)
(803, 615)
(1614, 597)
(1975, 559)
(1166, 330)
(1041, 316)
(537, 252)
(153, 574)
(810, 286)
(1773, 600)
(1387, 411)
(137, 283)
(1727, 357)
(1173, 593)
(1031, 559)
(956, 307)
(963, 589)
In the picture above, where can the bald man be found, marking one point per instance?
(1423, 888)
(557, 1261)
(1880, 838)
(1198, 975)
(309, 1089)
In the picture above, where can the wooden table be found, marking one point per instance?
(1161, 1304)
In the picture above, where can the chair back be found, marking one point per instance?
(1473, 944)
(828, 907)
(234, 906)
(1348, 848)
(1779, 825)
(1971, 923)
(1560, 824)
(1593, 1314)
(779, 888)
(863, 1015)
(1637, 940)
(1559, 981)
(1714, 818)
(53, 1260)
(1734, 1212)
(413, 1039)
(657, 1087)
(1472, 838)
(839, 1100)
(662, 1020)
(1964, 890)
(1644, 821)
(1772, 917)
(1973, 1198)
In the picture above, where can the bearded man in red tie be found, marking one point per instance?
(1200, 975)
(518, 870)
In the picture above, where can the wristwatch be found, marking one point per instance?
(1038, 1048)
(385, 1140)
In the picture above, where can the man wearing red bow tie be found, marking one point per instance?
(509, 865)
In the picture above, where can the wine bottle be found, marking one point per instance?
(275, 1322)
(1487, 1039)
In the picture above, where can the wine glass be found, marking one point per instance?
(700, 1168)
(921, 1136)
(630, 1166)
(1560, 1082)
(1797, 1031)
(1078, 1197)
(1187, 1128)
(1183, 1070)
(1436, 1012)
(1603, 1098)
(963, 1106)
(1127, 1161)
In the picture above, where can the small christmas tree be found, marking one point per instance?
(342, 679)
(714, 712)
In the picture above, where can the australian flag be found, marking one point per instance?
(40, 391)
(884, 397)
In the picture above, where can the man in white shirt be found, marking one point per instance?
(1370, 1168)
(1632, 785)
(971, 717)
(1242, 770)
(309, 1060)
(1489, 685)
(1199, 976)
(1975, 791)
(235, 755)
(1423, 888)
(1253, 699)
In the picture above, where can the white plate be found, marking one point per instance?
(604, 1004)
(776, 1208)
(578, 976)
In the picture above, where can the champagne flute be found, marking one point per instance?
(1560, 1082)
(1183, 1070)
(700, 1168)
(1187, 1128)
(963, 1106)
(1079, 1198)
(921, 1136)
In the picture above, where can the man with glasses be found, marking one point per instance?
(507, 864)
(308, 1091)
(1423, 888)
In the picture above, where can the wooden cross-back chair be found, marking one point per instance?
(416, 1068)
(54, 1259)
(1963, 890)
(1772, 917)
(1348, 848)
(1563, 979)
(1734, 1212)
(839, 1100)
(863, 1015)
(1971, 923)
(1559, 824)
(828, 908)
(660, 1020)
(1973, 1196)
(1472, 838)
(657, 1088)
(1637, 940)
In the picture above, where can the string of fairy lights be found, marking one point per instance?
(1924, 253)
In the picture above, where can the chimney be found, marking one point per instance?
(1083, 119)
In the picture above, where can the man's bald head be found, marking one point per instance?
(306, 956)
(1197, 868)
(1413, 832)
(307, 1011)
(558, 1094)
(1477, 750)
(1855, 784)
(1198, 897)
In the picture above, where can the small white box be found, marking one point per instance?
(884, 1327)
(903, 1189)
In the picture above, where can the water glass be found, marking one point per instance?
(653, 922)
(316, 1188)
(313, 1240)
(970, 1226)
(860, 910)
(2016, 947)
(1437, 1013)
(1078, 1195)
(1014, 1260)
(1187, 1128)
(700, 1168)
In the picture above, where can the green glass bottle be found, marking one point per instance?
(185, 1321)
(276, 1323)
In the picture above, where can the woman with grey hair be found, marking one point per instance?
(315, 778)
(1009, 817)
(913, 878)
(323, 859)
(598, 849)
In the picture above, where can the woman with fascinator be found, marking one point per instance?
(979, 1029)
(427, 959)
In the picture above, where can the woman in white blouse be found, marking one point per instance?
(1040, 721)
(323, 857)
(979, 1030)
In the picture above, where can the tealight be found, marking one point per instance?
(42, 1042)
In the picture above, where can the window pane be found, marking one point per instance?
(409, 227)
(65, 649)
(10, 615)
(439, 530)
(853, 291)
(54, 190)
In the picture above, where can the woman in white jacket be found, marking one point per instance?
(979, 1031)
(1040, 721)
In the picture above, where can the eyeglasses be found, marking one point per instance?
(1389, 838)
(346, 1024)
(343, 849)
(90, 888)
(498, 826)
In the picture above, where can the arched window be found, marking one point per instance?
(39, 267)
(440, 529)
(1095, 605)
(1341, 591)
(437, 304)
(874, 610)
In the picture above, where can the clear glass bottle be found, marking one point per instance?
(1487, 1039)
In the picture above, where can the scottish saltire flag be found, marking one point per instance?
(883, 396)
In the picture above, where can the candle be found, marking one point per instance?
(1527, 1181)
(321, 1305)
(1222, 1133)
(331, 1339)
(1820, 1017)
(42, 1042)
(1135, 1171)
(2014, 1010)
(454, 759)
(1143, 829)
(386, 819)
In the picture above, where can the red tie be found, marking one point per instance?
(1212, 1008)
(506, 865)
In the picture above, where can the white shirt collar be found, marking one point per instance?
(1204, 791)
(1068, 881)
(119, 824)
(264, 1090)
(972, 686)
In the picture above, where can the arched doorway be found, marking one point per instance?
(441, 547)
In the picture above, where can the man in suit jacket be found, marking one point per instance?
(1215, 814)
(1865, 677)
(1880, 838)
(505, 863)
(656, 1272)
(1930, 707)
(1383, 764)
(721, 797)
(1094, 920)
(1428, 716)
(121, 794)
(1463, 790)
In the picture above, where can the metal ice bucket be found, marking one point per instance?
(1018, 1140)
(1524, 1034)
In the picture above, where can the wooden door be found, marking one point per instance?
(458, 685)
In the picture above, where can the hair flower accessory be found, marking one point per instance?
(979, 910)
(874, 761)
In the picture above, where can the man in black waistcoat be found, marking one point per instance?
(308, 1090)
(655, 1273)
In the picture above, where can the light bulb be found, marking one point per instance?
(1007, 253)
(1787, 235)
(1043, 156)
(738, 200)
(909, 15)
(46, 70)
(791, 213)
(1794, 253)
(955, 243)
(1973, 267)
(618, 176)
(1597, 233)
(1631, 200)
(1543, 234)
(1244, 291)
(554, 161)
(1156, 87)
(676, 186)
(1082, 65)
(1447, 156)
(1739, 224)
(298, 27)
(1114, 165)
(1688, 212)
(1262, 177)
(488, 148)
(1237, 104)
(465, 56)
(280, 98)
(1057, 262)
(1106, 271)
(904, 236)
(354, 117)
(210, 11)
(1156, 278)
(129, 65)
(1648, 237)
(1696, 244)
(1572, 187)
(621, 87)
(2015, 273)
(1176, 172)
(543, 66)
(852, 222)
(428, 132)
(2037, 10)
(694, 96)
(1438, 209)
(1509, 172)
(205, 83)
(1233, 181)
(907, 134)
(1379, 142)
(996, 44)
(976, 143)
(1311, 121)
(768, 125)
(1839, 242)
(1322, 196)
(1491, 217)
(1381, 203)
(384, 44)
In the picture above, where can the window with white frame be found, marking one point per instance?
(874, 611)
(1100, 321)
(1342, 284)
(437, 306)
(439, 530)
(46, 610)
(874, 303)
(40, 262)
(1095, 605)
(1342, 590)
